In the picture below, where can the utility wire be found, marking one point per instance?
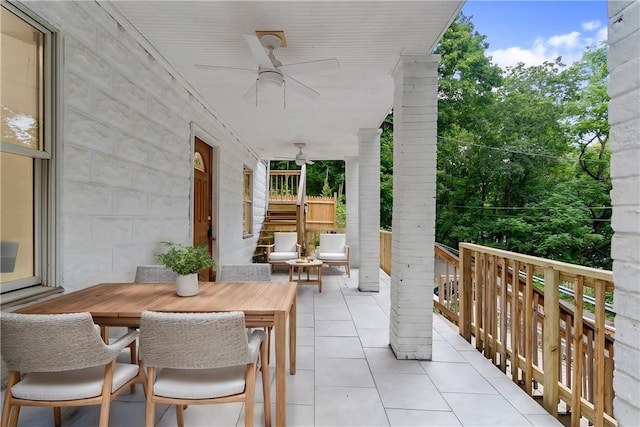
(546, 156)
(527, 208)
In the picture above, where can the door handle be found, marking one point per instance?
(210, 233)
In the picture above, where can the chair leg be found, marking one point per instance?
(107, 383)
(134, 360)
(7, 409)
(57, 416)
(13, 416)
(180, 415)
(150, 412)
(249, 393)
(266, 383)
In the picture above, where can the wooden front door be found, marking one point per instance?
(203, 233)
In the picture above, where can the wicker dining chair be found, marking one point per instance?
(247, 273)
(184, 369)
(64, 361)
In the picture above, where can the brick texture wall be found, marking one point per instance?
(125, 152)
(414, 193)
(624, 117)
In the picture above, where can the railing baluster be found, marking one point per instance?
(599, 356)
(516, 329)
(576, 408)
(529, 335)
(466, 294)
(551, 338)
(503, 316)
(479, 301)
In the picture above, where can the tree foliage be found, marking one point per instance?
(523, 156)
(522, 159)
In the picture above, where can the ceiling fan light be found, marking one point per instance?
(270, 78)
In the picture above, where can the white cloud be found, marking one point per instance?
(569, 46)
(591, 25)
(567, 41)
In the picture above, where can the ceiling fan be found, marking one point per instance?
(301, 157)
(271, 70)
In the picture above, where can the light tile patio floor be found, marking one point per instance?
(347, 375)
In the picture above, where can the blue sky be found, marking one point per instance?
(535, 31)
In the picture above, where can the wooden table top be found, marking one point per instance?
(305, 263)
(129, 300)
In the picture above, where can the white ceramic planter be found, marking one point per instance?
(187, 286)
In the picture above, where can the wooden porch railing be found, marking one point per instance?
(283, 183)
(527, 330)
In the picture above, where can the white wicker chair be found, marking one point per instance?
(334, 250)
(247, 273)
(154, 274)
(193, 370)
(285, 247)
(244, 273)
(66, 363)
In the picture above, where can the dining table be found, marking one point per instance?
(265, 304)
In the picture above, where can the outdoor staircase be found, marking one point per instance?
(281, 216)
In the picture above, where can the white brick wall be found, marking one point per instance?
(624, 117)
(126, 152)
(369, 209)
(414, 191)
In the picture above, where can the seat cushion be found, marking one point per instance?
(68, 385)
(282, 256)
(200, 383)
(332, 256)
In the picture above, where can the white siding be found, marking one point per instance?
(624, 117)
(126, 152)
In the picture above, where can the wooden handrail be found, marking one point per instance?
(545, 342)
(543, 339)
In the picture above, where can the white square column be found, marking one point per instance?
(369, 209)
(415, 116)
(352, 191)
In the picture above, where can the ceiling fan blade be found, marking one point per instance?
(221, 67)
(258, 52)
(309, 67)
(251, 90)
(300, 87)
(310, 162)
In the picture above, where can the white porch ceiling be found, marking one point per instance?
(365, 37)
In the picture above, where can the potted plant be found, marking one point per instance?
(187, 262)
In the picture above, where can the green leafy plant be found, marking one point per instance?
(185, 260)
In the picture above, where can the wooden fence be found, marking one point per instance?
(540, 340)
(385, 251)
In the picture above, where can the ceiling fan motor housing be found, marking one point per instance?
(272, 77)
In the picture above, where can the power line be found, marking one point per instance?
(525, 153)
(488, 215)
(527, 208)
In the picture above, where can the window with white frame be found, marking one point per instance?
(247, 202)
(26, 151)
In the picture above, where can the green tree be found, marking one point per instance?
(466, 84)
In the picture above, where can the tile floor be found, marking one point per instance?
(348, 376)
